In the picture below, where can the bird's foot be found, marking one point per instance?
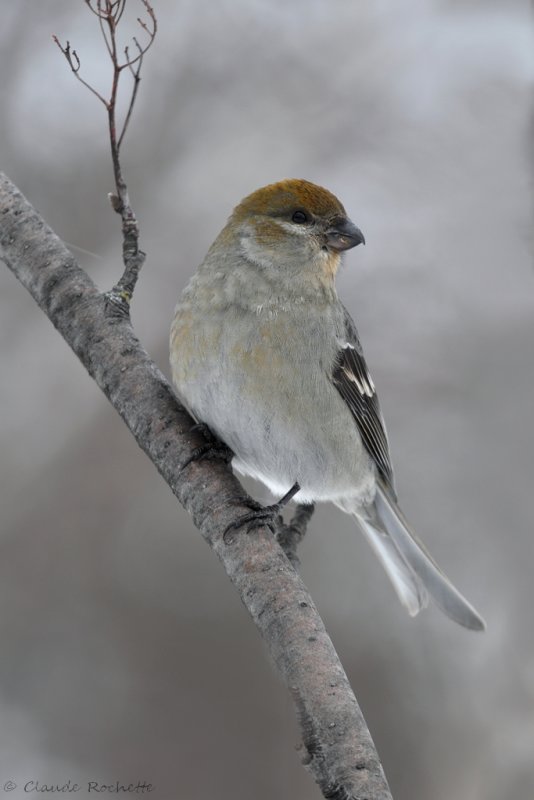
(261, 515)
(289, 536)
(213, 448)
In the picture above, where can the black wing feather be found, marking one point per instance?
(355, 385)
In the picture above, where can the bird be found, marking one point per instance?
(264, 353)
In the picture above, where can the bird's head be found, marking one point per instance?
(292, 227)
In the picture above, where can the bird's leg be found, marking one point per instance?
(290, 536)
(213, 448)
(263, 515)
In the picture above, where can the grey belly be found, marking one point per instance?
(280, 435)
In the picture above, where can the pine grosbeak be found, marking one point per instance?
(264, 353)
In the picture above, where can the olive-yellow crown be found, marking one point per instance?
(291, 198)
(299, 212)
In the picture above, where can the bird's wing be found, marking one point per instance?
(412, 570)
(355, 385)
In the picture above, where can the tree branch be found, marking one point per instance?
(338, 747)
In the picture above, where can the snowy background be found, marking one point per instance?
(126, 653)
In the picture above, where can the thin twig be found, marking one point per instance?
(110, 13)
(90, 7)
(137, 80)
(74, 63)
(104, 35)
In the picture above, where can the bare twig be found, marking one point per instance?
(75, 64)
(135, 71)
(109, 13)
(338, 747)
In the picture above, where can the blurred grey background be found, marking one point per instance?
(126, 653)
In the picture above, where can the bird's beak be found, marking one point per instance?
(344, 235)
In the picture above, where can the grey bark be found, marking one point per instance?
(338, 747)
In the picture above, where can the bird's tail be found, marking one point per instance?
(411, 569)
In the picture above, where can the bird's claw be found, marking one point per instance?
(262, 515)
(256, 518)
(213, 448)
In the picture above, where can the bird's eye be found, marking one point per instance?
(300, 217)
